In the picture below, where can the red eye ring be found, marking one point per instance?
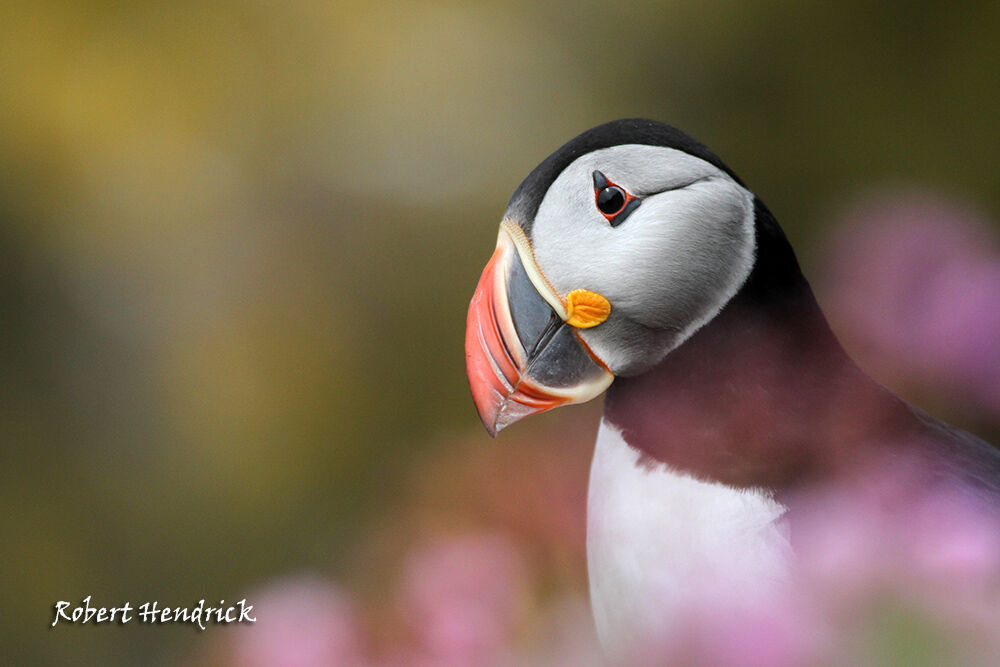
(612, 200)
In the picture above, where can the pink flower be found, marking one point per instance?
(303, 621)
(780, 634)
(460, 597)
(914, 280)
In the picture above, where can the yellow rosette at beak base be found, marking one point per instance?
(586, 309)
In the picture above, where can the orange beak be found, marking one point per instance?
(521, 357)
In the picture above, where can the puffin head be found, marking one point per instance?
(611, 253)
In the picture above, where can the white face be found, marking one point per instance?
(669, 268)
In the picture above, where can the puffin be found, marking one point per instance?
(632, 262)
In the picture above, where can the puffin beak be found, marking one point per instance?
(522, 356)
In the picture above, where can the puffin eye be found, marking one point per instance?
(612, 200)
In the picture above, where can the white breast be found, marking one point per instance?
(660, 543)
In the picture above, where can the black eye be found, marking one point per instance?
(611, 200)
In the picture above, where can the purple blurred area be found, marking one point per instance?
(913, 283)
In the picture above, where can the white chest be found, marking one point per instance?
(660, 543)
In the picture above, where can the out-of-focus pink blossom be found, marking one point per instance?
(914, 280)
(893, 524)
(783, 633)
(963, 332)
(303, 621)
(460, 597)
(953, 543)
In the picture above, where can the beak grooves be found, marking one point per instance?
(522, 358)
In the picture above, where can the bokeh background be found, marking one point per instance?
(237, 242)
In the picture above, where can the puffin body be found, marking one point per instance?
(661, 543)
(633, 261)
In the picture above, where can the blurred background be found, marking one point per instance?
(237, 243)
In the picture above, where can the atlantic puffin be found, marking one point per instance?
(633, 262)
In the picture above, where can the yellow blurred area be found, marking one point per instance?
(237, 242)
